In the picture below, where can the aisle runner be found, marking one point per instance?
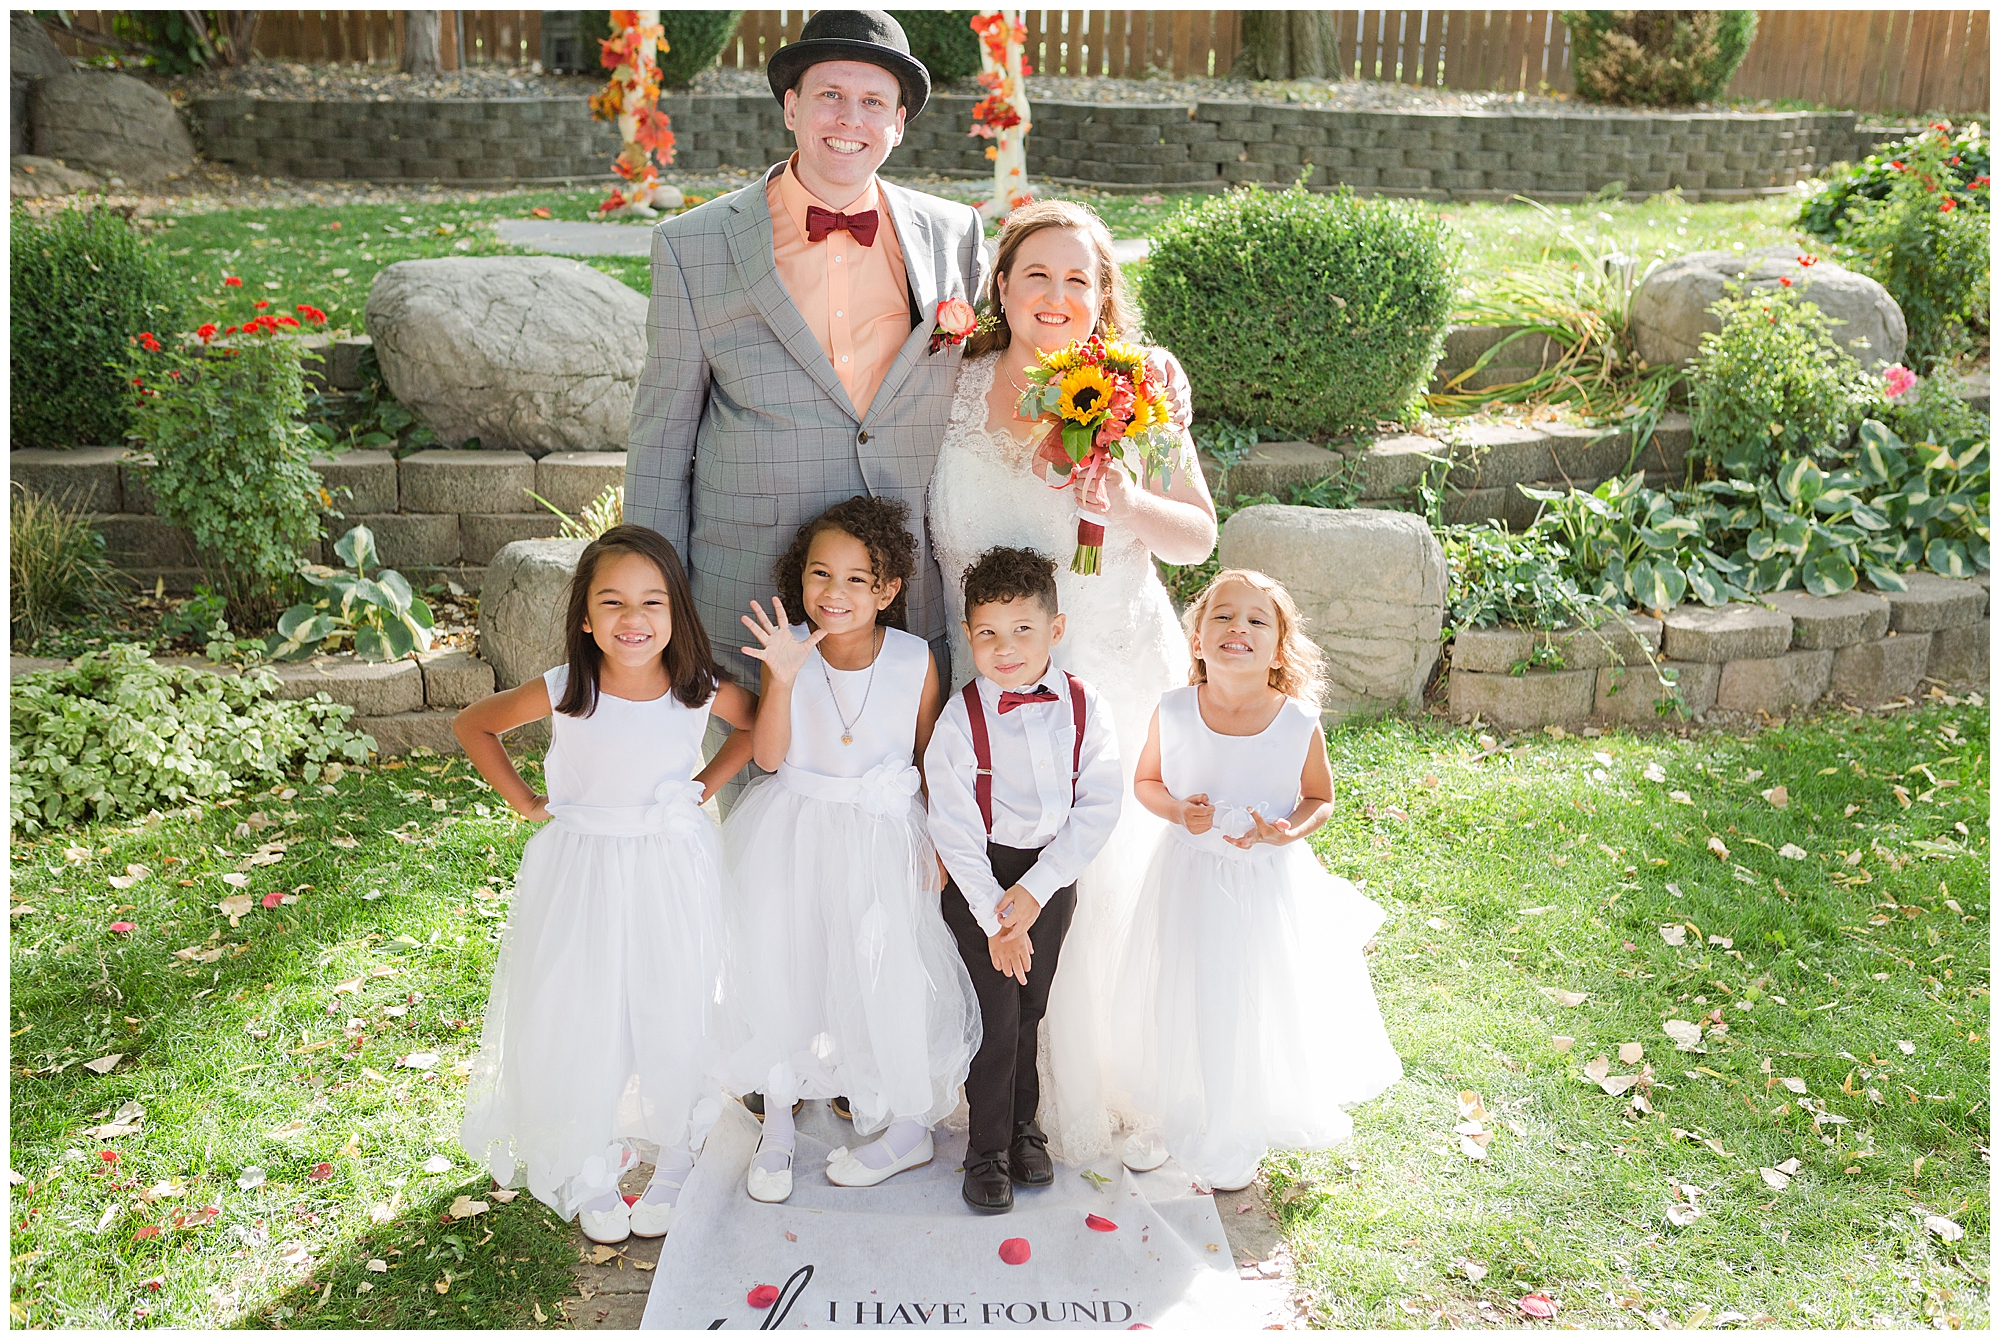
(909, 1252)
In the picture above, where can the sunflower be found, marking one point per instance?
(1086, 394)
(1146, 412)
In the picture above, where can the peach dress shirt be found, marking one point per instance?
(855, 299)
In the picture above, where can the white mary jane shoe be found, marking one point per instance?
(653, 1221)
(843, 1169)
(609, 1227)
(769, 1187)
(1144, 1152)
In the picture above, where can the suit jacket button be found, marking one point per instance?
(864, 437)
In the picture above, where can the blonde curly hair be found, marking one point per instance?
(1300, 671)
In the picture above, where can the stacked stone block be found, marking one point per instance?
(1209, 145)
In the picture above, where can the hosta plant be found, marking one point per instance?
(380, 615)
(1807, 529)
(1629, 543)
(1937, 500)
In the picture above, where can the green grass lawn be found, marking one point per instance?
(328, 256)
(1551, 865)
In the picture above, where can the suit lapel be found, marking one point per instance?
(750, 247)
(920, 267)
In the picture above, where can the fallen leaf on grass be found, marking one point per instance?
(1680, 1216)
(540, 1316)
(443, 1285)
(1775, 1179)
(465, 1207)
(1793, 1083)
(1943, 1227)
(1675, 936)
(1685, 1036)
(294, 1253)
(250, 1178)
(503, 1195)
(1654, 773)
(540, 211)
(1777, 796)
(1567, 999)
(236, 907)
(1629, 1053)
(1906, 1048)
(320, 1172)
(344, 842)
(1472, 1271)
(418, 1061)
(1719, 847)
(1471, 1107)
(1680, 797)
(290, 1130)
(600, 1254)
(123, 1122)
(1790, 1167)
(437, 1163)
(1792, 852)
(103, 1064)
(1562, 1043)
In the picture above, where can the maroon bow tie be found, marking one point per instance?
(861, 227)
(1009, 699)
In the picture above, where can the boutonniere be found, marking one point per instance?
(955, 321)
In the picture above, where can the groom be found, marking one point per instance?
(786, 363)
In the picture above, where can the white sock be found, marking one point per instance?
(774, 1150)
(901, 1137)
(608, 1201)
(670, 1172)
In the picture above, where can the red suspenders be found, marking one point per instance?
(982, 748)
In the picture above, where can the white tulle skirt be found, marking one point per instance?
(597, 1027)
(1244, 1018)
(839, 962)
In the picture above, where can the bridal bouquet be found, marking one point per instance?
(1107, 407)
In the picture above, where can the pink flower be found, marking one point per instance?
(1896, 379)
(123, 927)
(955, 317)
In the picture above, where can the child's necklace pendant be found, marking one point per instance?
(847, 739)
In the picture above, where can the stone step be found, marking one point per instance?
(572, 480)
(1274, 468)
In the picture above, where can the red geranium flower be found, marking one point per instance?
(285, 321)
(261, 303)
(174, 373)
(1954, 160)
(206, 331)
(1808, 259)
(1785, 280)
(311, 313)
(1895, 165)
(1947, 205)
(231, 281)
(1980, 182)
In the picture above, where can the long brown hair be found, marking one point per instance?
(692, 672)
(1301, 668)
(1118, 312)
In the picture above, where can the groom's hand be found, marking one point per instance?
(1018, 910)
(1013, 954)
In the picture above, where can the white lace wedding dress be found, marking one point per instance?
(1123, 639)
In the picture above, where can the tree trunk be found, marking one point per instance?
(1289, 44)
(420, 42)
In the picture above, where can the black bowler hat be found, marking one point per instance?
(852, 34)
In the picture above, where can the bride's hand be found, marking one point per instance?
(1118, 488)
(782, 654)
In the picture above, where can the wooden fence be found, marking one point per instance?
(1865, 60)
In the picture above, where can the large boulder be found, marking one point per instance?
(35, 178)
(110, 124)
(33, 55)
(521, 608)
(534, 353)
(1670, 310)
(1370, 587)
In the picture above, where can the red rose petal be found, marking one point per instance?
(321, 1171)
(1100, 1223)
(108, 1155)
(763, 1295)
(156, 1281)
(1014, 1251)
(1539, 1305)
(121, 927)
(273, 899)
(631, 1200)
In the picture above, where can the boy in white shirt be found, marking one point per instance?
(1025, 789)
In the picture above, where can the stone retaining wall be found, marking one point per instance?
(1867, 648)
(1123, 146)
(434, 514)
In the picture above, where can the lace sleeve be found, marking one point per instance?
(968, 399)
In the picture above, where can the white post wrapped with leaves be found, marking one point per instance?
(380, 615)
(1002, 115)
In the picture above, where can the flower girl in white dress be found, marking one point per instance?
(842, 978)
(1244, 1014)
(595, 1033)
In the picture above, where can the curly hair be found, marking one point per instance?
(690, 661)
(1300, 671)
(1002, 574)
(881, 524)
(1118, 312)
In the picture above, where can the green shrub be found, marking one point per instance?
(1930, 252)
(1316, 313)
(1772, 383)
(55, 563)
(1935, 411)
(228, 455)
(1520, 579)
(83, 281)
(118, 734)
(943, 40)
(694, 38)
(1969, 161)
(1657, 57)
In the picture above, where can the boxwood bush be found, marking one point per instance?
(1657, 57)
(1315, 313)
(84, 282)
(943, 40)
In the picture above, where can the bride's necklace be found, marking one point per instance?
(846, 726)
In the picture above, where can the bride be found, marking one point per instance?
(1055, 280)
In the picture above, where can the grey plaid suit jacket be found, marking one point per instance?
(740, 429)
